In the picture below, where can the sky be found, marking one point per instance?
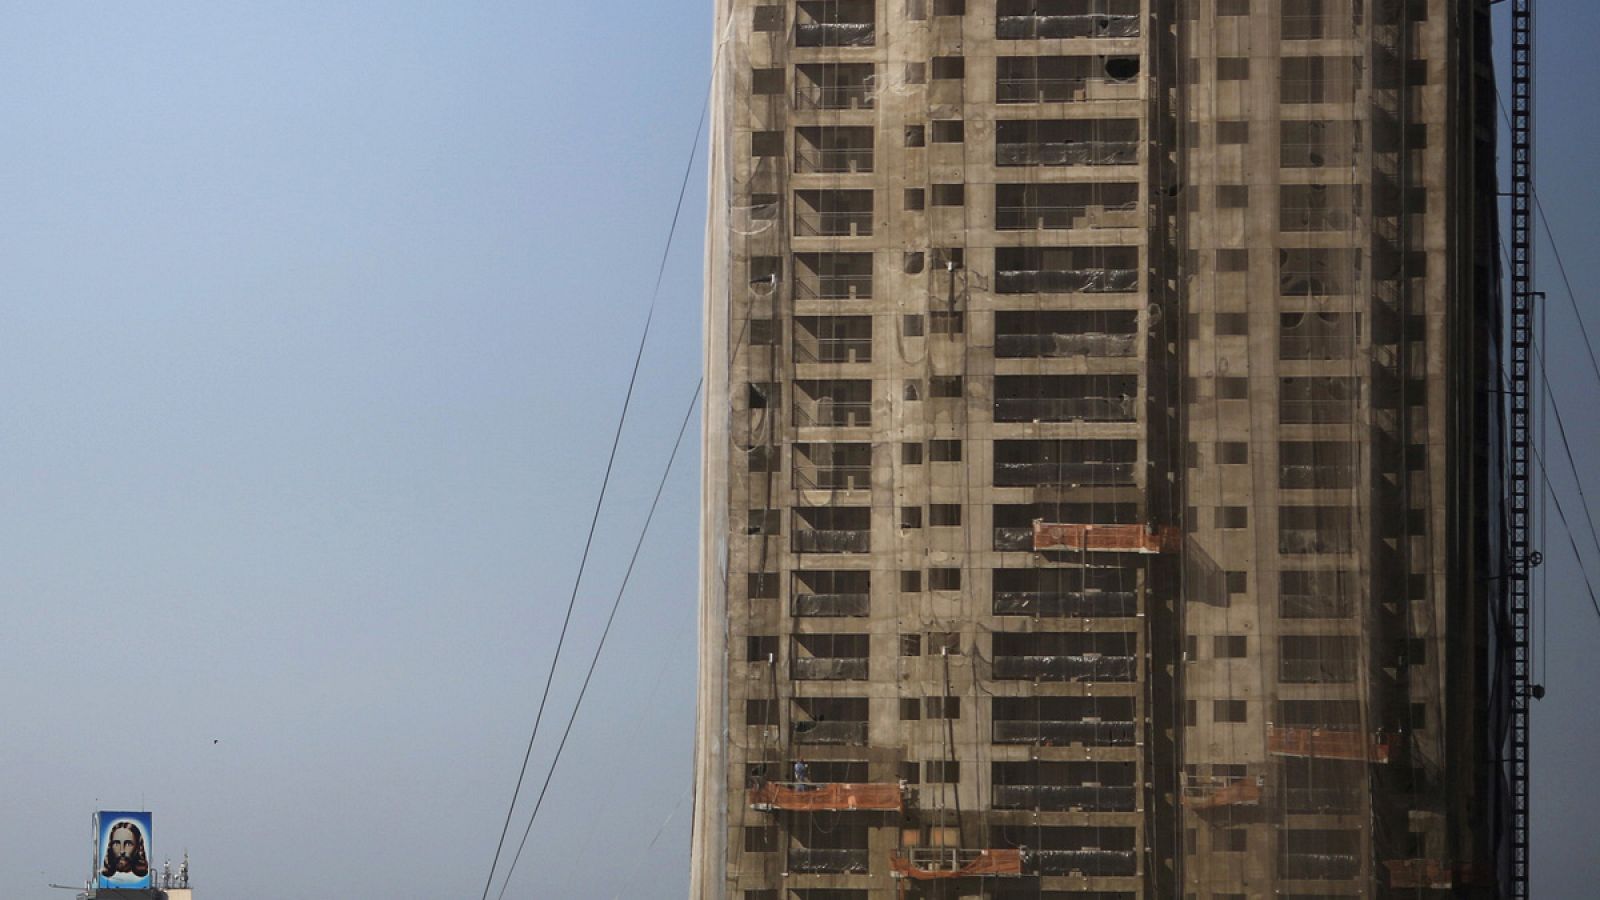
(315, 320)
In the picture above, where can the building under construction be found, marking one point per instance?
(1103, 485)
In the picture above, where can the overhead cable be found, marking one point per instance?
(605, 481)
(610, 619)
(1572, 297)
(1555, 499)
(1561, 429)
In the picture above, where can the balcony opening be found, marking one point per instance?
(1074, 849)
(832, 529)
(1316, 529)
(1053, 334)
(1064, 79)
(1106, 657)
(1018, 20)
(833, 213)
(833, 403)
(1324, 786)
(1318, 400)
(829, 657)
(832, 466)
(1318, 335)
(1316, 594)
(1314, 20)
(1318, 79)
(1025, 207)
(833, 339)
(835, 86)
(1319, 854)
(839, 850)
(1065, 463)
(1066, 142)
(833, 276)
(1066, 398)
(1318, 659)
(834, 149)
(832, 592)
(1064, 786)
(1064, 721)
(1318, 207)
(1315, 144)
(834, 771)
(1316, 465)
(1079, 592)
(1317, 272)
(1049, 270)
(1014, 522)
(834, 23)
(830, 720)
(1226, 788)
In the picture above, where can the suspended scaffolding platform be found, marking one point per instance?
(933, 863)
(1214, 793)
(1435, 874)
(835, 797)
(1106, 538)
(1329, 743)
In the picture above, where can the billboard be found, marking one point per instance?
(123, 860)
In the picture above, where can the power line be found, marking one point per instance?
(1561, 267)
(595, 660)
(572, 601)
(1555, 499)
(605, 481)
(1561, 429)
(648, 847)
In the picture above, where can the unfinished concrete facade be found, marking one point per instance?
(1092, 498)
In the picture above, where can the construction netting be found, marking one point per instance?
(1089, 497)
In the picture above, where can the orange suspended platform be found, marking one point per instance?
(1108, 538)
(1211, 795)
(1434, 874)
(837, 797)
(933, 863)
(1329, 743)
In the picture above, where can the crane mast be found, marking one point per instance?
(1520, 401)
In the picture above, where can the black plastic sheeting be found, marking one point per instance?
(1073, 604)
(828, 861)
(829, 668)
(1089, 734)
(832, 541)
(850, 733)
(832, 604)
(1062, 798)
(1088, 862)
(1062, 153)
(1030, 474)
(1060, 345)
(1076, 281)
(1022, 28)
(1065, 409)
(1065, 668)
(834, 34)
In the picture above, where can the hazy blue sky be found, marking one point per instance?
(314, 320)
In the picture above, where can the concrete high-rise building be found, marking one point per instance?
(1101, 451)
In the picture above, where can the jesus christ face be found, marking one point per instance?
(123, 842)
